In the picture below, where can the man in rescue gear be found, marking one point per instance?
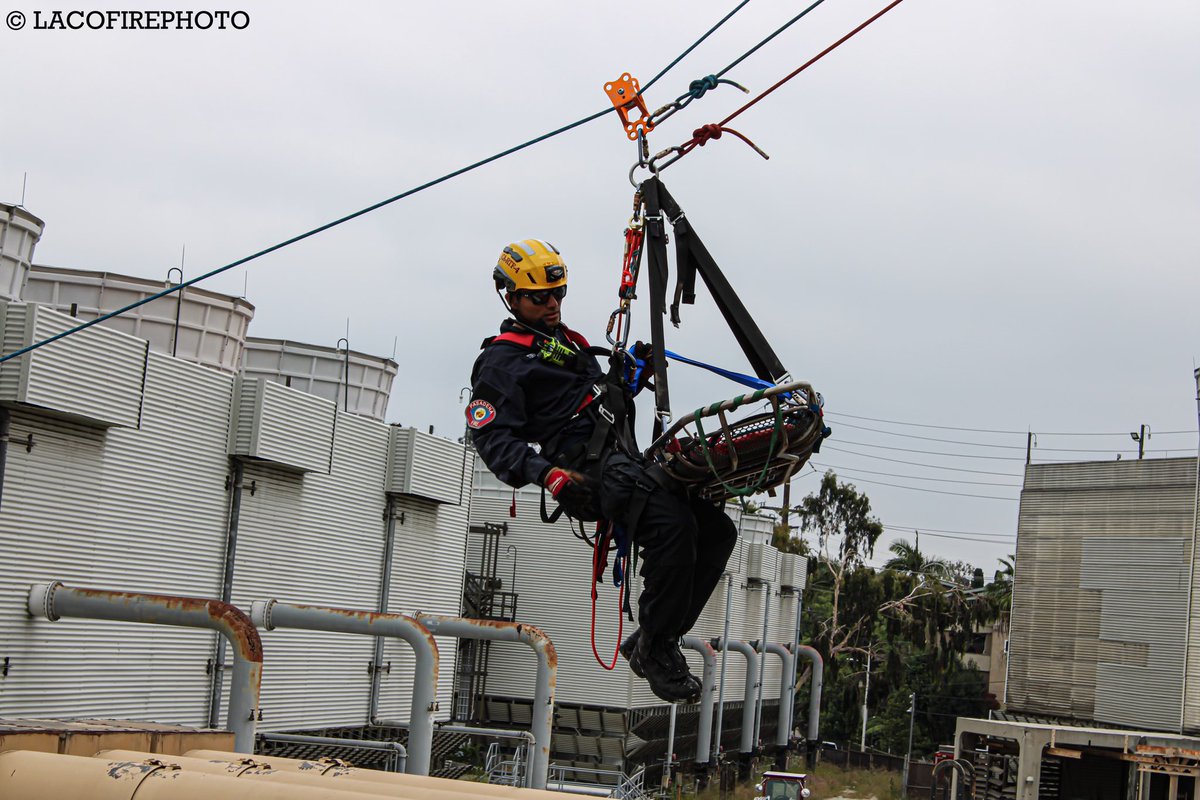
(537, 382)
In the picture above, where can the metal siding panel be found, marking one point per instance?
(1191, 684)
(296, 429)
(1091, 538)
(96, 374)
(139, 510)
(419, 461)
(1145, 685)
(285, 426)
(315, 538)
(427, 576)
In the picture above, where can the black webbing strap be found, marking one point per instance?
(694, 257)
(656, 245)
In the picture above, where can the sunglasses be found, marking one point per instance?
(541, 297)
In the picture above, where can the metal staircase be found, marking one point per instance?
(484, 597)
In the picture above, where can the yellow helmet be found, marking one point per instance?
(529, 265)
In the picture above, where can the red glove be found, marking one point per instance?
(569, 488)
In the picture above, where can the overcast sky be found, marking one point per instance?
(976, 214)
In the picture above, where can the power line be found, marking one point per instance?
(983, 444)
(932, 452)
(354, 215)
(920, 478)
(924, 529)
(931, 438)
(1008, 540)
(933, 491)
(992, 430)
(917, 463)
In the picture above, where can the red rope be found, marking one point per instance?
(597, 572)
(702, 134)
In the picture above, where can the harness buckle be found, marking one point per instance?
(608, 416)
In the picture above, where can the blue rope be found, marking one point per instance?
(361, 212)
(737, 377)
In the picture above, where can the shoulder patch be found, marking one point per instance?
(480, 413)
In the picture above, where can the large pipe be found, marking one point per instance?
(724, 659)
(263, 768)
(707, 685)
(547, 673)
(817, 682)
(231, 537)
(26, 775)
(762, 664)
(796, 644)
(331, 768)
(787, 692)
(385, 588)
(750, 693)
(53, 601)
(271, 614)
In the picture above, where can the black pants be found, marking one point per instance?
(684, 543)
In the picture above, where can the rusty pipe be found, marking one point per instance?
(816, 683)
(547, 673)
(53, 601)
(750, 694)
(271, 614)
(787, 692)
(707, 687)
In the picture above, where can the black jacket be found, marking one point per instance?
(518, 397)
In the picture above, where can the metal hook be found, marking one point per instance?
(657, 168)
(345, 373)
(178, 307)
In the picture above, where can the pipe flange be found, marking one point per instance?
(41, 600)
(260, 614)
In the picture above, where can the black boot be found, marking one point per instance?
(629, 651)
(664, 668)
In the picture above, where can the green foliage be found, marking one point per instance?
(783, 540)
(909, 558)
(915, 624)
(838, 510)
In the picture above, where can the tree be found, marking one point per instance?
(838, 511)
(999, 591)
(908, 558)
(783, 540)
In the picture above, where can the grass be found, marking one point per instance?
(829, 781)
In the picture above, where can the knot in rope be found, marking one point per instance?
(698, 87)
(705, 132)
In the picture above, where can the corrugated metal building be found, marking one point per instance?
(119, 476)
(1104, 621)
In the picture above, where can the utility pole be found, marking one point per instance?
(912, 716)
(1143, 433)
(787, 506)
(866, 693)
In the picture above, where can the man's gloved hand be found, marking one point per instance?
(569, 488)
(644, 351)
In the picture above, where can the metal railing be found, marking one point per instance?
(503, 770)
(624, 787)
